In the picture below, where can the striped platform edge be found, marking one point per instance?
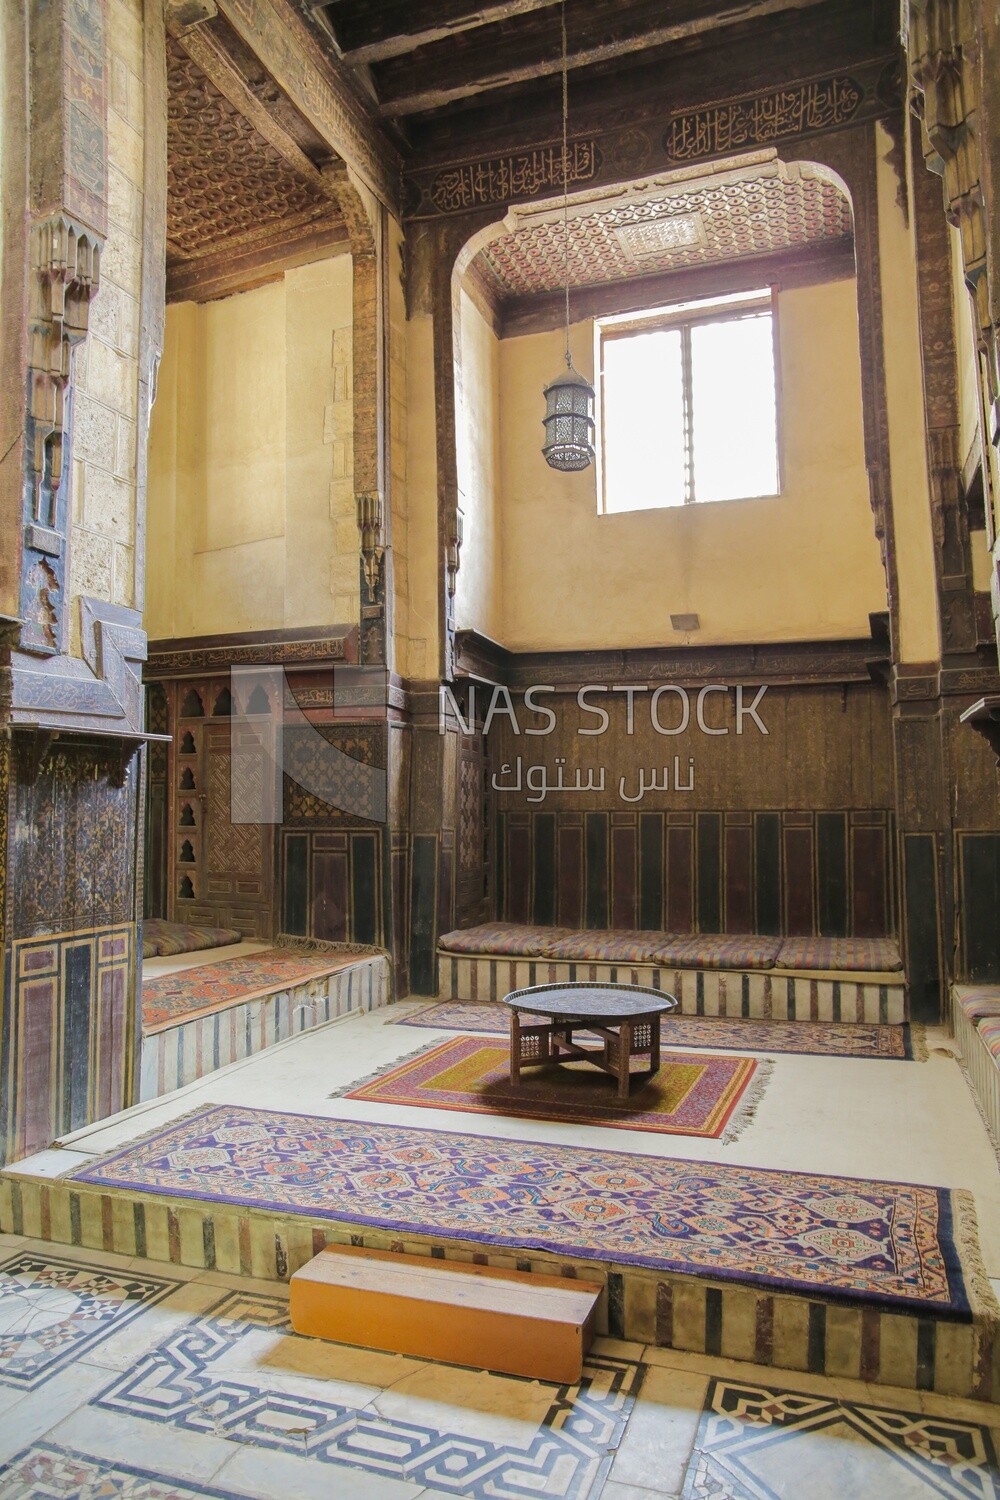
(762, 994)
(980, 1064)
(175, 1055)
(729, 1320)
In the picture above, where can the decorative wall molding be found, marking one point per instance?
(195, 656)
(792, 664)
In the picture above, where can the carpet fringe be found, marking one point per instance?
(918, 1042)
(393, 1063)
(982, 1299)
(744, 1113)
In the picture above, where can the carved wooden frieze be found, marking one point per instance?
(610, 150)
(761, 120)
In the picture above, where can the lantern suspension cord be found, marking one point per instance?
(565, 167)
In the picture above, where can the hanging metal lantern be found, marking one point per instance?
(569, 421)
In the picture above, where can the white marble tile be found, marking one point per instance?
(469, 1403)
(151, 1445)
(656, 1447)
(257, 1472)
(27, 1416)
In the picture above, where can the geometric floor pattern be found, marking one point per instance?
(220, 1399)
(52, 1311)
(751, 1445)
(46, 1472)
(207, 1379)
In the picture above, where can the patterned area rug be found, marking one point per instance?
(894, 1244)
(829, 1039)
(690, 1095)
(169, 998)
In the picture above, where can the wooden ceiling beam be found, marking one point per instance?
(204, 49)
(442, 73)
(401, 27)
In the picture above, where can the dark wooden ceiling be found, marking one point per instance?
(441, 70)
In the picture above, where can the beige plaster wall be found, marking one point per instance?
(103, 497)
(251, 521)
(802, 565)
(478, 596)
(919, 636)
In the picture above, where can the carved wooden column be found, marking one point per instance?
(953, 50)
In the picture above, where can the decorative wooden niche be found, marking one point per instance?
(192, 707)
(187, 782)
(186, 856)
(188, 746)
(223, 706)
(984, 717)
(185, 890)
(187, 818)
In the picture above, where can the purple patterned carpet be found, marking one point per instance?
(888, 1243)
(822, 1038)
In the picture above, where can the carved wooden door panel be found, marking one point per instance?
(222, 872)
(475, 820)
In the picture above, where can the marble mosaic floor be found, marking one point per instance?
(128, 1378)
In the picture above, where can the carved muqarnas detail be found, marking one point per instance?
(66, 260)
(371, 525)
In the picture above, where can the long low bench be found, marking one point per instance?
(726, 974)
(976, 1019)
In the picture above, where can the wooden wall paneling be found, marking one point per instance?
(831, 868)
(624, 870)
(570, 861)
(519, 867)
(446, 881)
(979, 902)
(680, 873)
(597, 912)
(799, 867)
(708, 864)
(768, 871)
(869, 875)
(738, 872)
(423, 907)
(366, 888)
(922, 942)
(652, 868)
(295, 883)
(544, 869)
(329, 912)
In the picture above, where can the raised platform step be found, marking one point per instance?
(197, 1021)
(537, 1326)
(760, 994)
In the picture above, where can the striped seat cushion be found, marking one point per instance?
(876, 954)
(979, 1003)
(162, 939)
(607, 947)
(508, 939)
(724, 950)
(989, 1030)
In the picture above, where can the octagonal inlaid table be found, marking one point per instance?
(625, 1016)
